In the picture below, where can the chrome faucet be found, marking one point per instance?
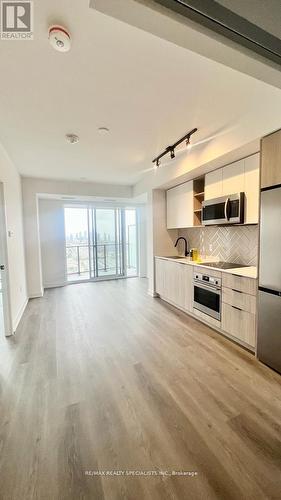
(186, 252)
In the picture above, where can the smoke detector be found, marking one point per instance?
(59, 38)
(72, 138)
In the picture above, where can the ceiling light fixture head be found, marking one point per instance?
(72, 138)
(171, 149)
(59, 38)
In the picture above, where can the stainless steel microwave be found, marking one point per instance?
(224, 210)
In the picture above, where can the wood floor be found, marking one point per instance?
(103, 377)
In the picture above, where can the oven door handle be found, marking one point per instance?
(209, 288)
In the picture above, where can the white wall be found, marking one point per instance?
(16, 259)
(142, 231)
(31, 188)
(52, 239)
(160, 241)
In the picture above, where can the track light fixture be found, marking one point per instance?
(171, 149)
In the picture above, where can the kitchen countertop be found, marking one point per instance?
(246, 272)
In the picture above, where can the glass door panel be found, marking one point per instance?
(77, 244)
(131, 242)
(107, 246)
(100, 243)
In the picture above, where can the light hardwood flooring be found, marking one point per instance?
(100, 376)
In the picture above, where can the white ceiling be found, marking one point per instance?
(148, 91)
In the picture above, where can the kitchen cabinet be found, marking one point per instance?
(239, 324)
(188, 280)
(213, 184)
(180, 206)
(238, 299)
(239, 283)
(271, 160)
(239, 307)
(240, 176)
(233, 178)
(252, 188)
(174, 283)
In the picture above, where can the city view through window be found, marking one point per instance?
(100, 243)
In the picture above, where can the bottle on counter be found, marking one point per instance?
(194, 254)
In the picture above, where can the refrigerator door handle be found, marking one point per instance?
(269, 290)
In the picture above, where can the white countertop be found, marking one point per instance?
(246, 272)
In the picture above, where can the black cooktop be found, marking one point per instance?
(222, 265)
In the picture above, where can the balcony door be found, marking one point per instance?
(106, 243)
(100, 243)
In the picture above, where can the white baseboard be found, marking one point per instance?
(36, 295)
(152, 293)
(19, 315)
(54, 285)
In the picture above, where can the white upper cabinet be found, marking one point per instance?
(239, 177)
(213, 184)
(233, 178)
(180, 206)
(252, 189)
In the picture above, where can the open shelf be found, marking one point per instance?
(198, 198)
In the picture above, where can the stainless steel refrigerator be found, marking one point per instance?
(269, 309)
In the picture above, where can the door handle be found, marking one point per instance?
(226, 209)
(238, 308)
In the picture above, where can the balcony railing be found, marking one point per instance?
(78, 259)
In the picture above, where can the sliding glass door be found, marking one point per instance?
(106, 243)
(77, 243)
(101, 243)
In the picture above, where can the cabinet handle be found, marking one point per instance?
(234, 290)
(238, 308)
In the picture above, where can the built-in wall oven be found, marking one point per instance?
(207, 295)
(224, 210)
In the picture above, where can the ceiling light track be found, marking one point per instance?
(171, 149)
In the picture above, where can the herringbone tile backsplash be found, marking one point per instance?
(237, 244)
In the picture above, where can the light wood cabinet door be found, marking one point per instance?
(252, 189)
(174, 283)
(213, 184)
(240, 283)
(169, 281)
(271, 160)
(180, 206)
(243, 301)
(233, 180)
(188, 286)
(240, 324)
(160, 276)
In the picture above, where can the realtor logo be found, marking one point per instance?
(16, 20)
